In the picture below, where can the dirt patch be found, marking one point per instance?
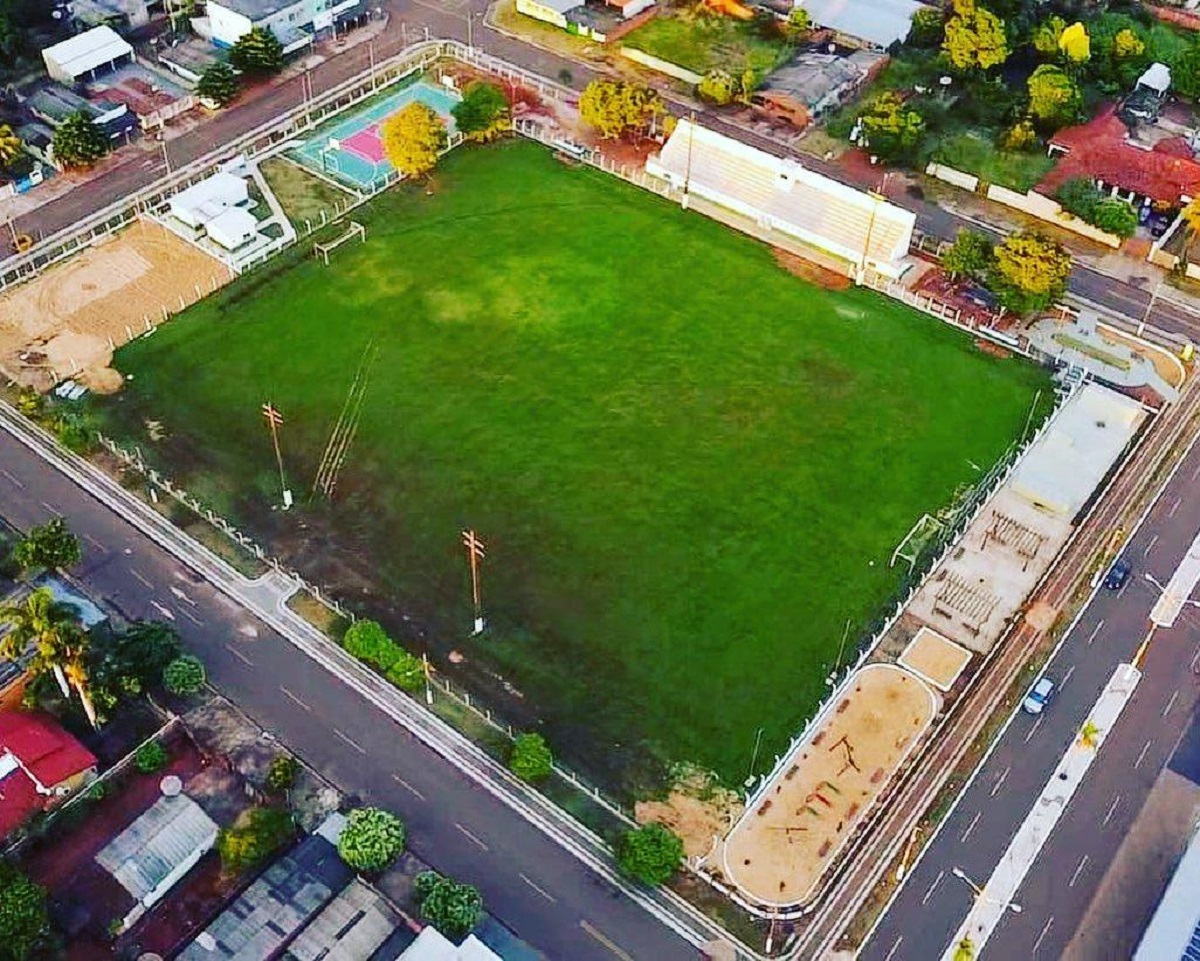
(807, 270)
(1041, 616)
(992, 349)
(935, 658)
(697, 808)
(69, 320)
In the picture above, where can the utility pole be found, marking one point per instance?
(371, 52)
(1150, 306)
(162, 142)
(274, 421)
(475, 554)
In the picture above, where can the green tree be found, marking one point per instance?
(78, 142)
(253, 838)
(970, 255)
(372, 839)
(150, 758)
(975, 37)
(1046, 35)
(614, 108)
(50, 546)
(1054, 97)
(1029, 272)
(717, 86)
(1075, 43)
(258, 53)
(413, 139)
(11, 146)
(1127, 45)
(451, 907)
(928, 28)
(1116, 217)
(144, 649)
(184, 675)
(649, 854)
(797, 24)
(892, 129)
(48, 633)
(1185, 71)
(219, 84)
(531, 759)
(282, 773)
(24, 919)
(483, 111)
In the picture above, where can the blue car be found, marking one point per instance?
(1118, 574)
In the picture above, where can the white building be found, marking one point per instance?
(81, 56)
(858, 230)
(208, 199)
(872, 23)
(232, 228)
(294, 22)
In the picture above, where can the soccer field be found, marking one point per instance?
(689, 467)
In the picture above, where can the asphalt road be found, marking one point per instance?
(923, 918)
(538, 889)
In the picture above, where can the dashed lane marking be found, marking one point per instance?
(933, 887)
(1033, 730)
(191, 617)
(1175, 507)
(605, 940)
(1078, 871)
(51, 508)
(999, 781)
(138, 577)
(349, 740)
(96, 545)
(239, 655)
(1095, 631)
(164, 611)
(894, 948)
(473, 838)
(1041, 937)
(971, 827)
(1111, 808)
(540, 890)
(1170, 703)
(1141, 757)
(12, 480)
(295, 700)
(1067, 676)
(1150, 546)
(408, 787)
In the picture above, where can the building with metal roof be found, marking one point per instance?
(432, 945)
(80, 57)
(354, 926)
(151, 855)
(860, 231)
(876, 23)
(40, 764)
(1174, 931)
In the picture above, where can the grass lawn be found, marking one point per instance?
(690, 467)
(979, 155)
(301, 194)
(705, 43)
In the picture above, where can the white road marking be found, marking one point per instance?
(1078, 871)
(408, 787)
(540, 890)
(96, 545)
(349, 740)
(1067, 676)
(1150, 546)
(182, 596)
(999, 781)
(1170, 704)
(164, 611)
(1141, 757)
(1038, 943)
(139, 577)
(239, 655)
(1033, 730)
(1095, 631)
(1196, 659)
(894, 949)
(1111, 808)
(1196, 472)
(12, 480)
(191, 617)
(295, 700)
(1175, 507)
(933, 887)
(611, 945)
(971, 827)
(474, 839)
(51, 508)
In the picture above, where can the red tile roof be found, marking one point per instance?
(46, 752)
(1098, 150)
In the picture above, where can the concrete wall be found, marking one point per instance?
(531, 8)
(951, 176)
(226, 25)
(1042, 207)
(662, 66)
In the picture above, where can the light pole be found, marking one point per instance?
(274, 419)
(978, 895)
(754, 758)
(475, 554)
(1150, 306)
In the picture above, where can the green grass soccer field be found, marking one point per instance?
(689, 467)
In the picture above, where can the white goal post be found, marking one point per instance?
(323, 250)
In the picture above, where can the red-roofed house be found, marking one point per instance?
(40, 765)
(1166, 174)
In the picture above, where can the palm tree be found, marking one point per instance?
(51, 631)
(10, 145)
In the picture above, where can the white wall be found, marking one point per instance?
(226, 25)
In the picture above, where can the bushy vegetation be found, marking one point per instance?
(369, 642)
(253, 838)
(1086, 201)
(150, 758)
(649, 854)
(372, 839)
(184, 675)
(450, 906)
(531, 758)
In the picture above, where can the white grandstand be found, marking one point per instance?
(861, 230)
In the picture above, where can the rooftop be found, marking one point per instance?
(36, 756)
(432, 945)
(257, 10)
(880, 22)
(815, 79)
(141, 90)
(1174, 931)
(351, 927)
(88, 50)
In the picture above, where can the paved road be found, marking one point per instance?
(931, 905)
(541, 891)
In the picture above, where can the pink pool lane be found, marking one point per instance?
(366, 143)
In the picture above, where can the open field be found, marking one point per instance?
(704, 43)
(689, 467)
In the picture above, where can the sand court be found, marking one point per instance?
(785, 841)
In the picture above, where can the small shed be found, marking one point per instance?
(80, 57)
(232, 228)
(208, 199)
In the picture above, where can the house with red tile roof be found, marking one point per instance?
(1165, 173)
(40, 765)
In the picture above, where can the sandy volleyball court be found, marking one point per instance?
(68, 320)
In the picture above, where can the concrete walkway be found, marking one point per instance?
(998, 896)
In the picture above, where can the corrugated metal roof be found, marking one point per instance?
(88, 50)
(1174, 931)
(881, 22)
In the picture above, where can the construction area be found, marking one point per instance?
(785, 841)
(68, 321)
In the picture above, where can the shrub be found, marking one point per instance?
(281, 775)
(150, 757)
(24, 918)
(531, 759)
(184, 675)
(372, 839)
(1086, 201)
(451, 907)
(423, 883)
(367, 641)
(253, 838)
(649, 854)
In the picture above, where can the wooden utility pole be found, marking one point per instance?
(274, 421)
(475, 553)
